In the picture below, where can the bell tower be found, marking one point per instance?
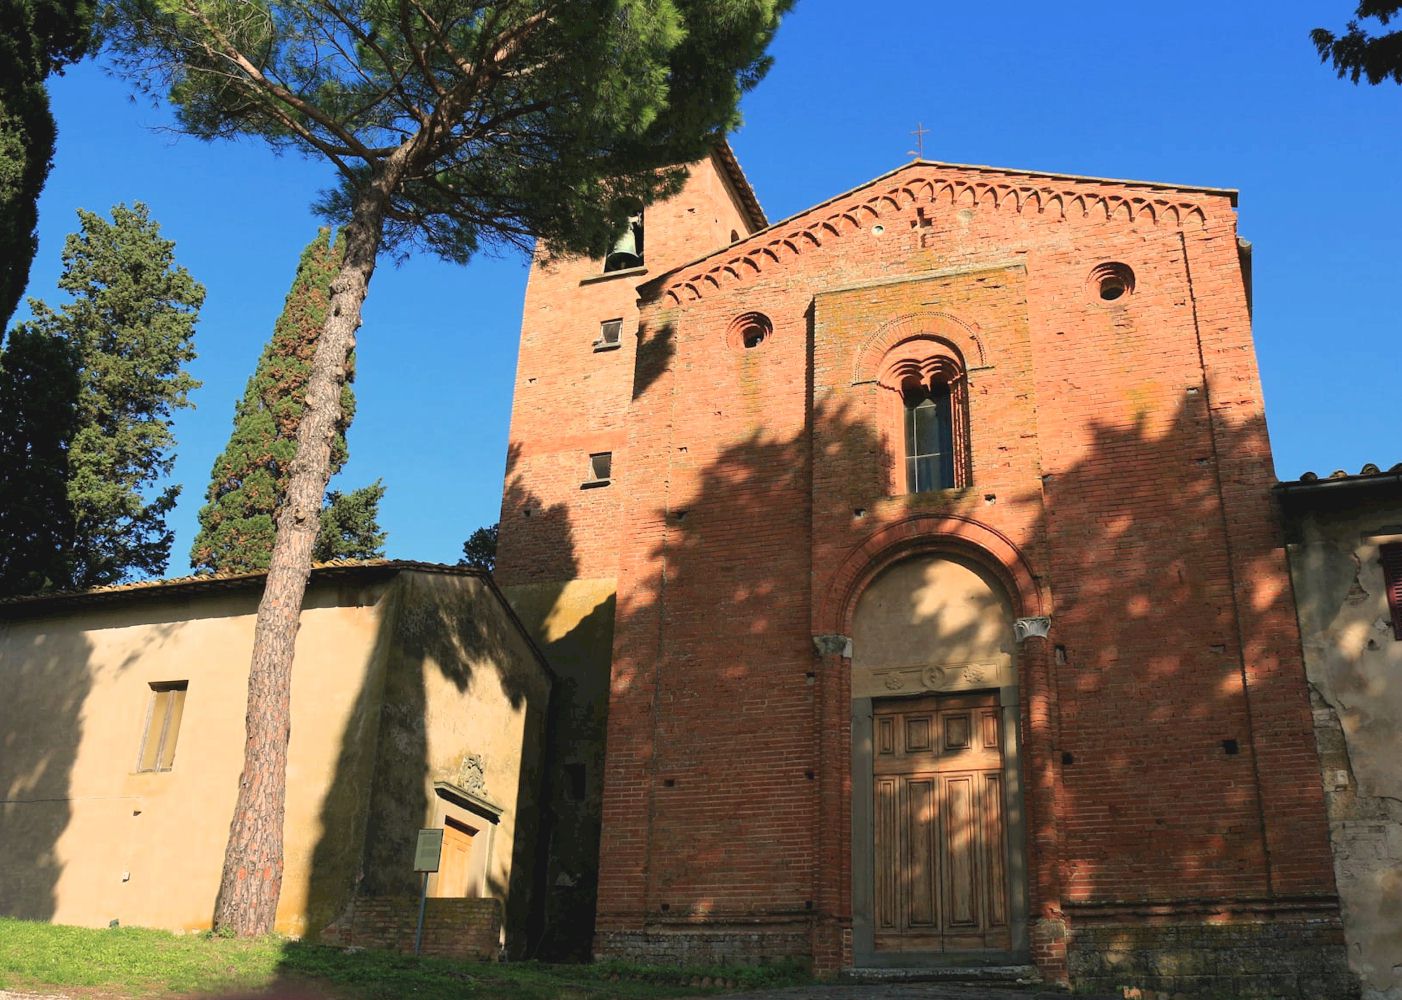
(562, 515)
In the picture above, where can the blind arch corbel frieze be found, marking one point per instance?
(1073, 200)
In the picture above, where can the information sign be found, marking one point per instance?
(428, 851)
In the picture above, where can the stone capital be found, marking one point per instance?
(832, 645)
(1030, 628)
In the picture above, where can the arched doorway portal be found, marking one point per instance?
(938, 869)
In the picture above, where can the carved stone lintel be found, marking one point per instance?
(1028, 628)
(833, 645)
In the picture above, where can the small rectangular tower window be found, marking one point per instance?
(610, 331)
(601, 467)
(163, 714)
(1390, 555)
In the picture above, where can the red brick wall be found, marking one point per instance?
(571, 400)
(1120, 477)
(453, 928)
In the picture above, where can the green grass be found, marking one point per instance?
(130, 961)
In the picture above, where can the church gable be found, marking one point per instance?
(912, 197)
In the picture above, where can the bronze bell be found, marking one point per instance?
(625, 252)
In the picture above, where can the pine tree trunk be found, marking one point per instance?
(252, 879)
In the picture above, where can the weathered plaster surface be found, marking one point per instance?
(572, 622)
(394, 681)
(1355, 672)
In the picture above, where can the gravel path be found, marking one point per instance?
(906, 991)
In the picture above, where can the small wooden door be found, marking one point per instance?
(941, 871)
(457, 871)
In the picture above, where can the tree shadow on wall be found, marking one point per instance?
(47, 673)
(1154, 719)
(714, 654)
(572, 622)
(656, 348)
(445, 668)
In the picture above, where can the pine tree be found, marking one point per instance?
(1360, 53)
(451, 126)
(38, 415)
(131, 325)
(238, 520)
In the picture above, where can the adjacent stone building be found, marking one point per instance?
(1344, 536)
(913, 577)
(417, 701)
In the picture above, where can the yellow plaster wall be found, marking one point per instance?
(86, 840)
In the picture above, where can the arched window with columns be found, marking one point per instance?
(928, 394)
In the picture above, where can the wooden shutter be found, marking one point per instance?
(1391, 557)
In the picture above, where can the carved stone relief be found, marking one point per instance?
(472, 777)
(884, 681)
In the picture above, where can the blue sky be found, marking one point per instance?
(1221, 94)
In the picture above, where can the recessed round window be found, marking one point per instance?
(878, 229)
(1111, 283)
(749, 330)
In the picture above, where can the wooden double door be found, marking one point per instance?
(941, 879)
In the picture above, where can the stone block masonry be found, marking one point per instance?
(1243, 960)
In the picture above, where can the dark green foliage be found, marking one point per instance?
(37, 37)
(130, 324)
(514, 119)
(350, 525)
(38, 415)
(480, 549)
(237, 522)
(1359, 54)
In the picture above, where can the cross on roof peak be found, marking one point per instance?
(920, 131)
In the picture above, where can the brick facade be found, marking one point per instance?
(453, 928)
(1118, 477)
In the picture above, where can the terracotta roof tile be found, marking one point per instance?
(1368, 471)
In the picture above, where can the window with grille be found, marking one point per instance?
(163, 714)
(929, 438)
(1391, 557)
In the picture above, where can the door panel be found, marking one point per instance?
(888, 864)
(940, 871)
(922, 889)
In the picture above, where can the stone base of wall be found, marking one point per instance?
(453, 928)
(709, 945)
(1261, 959)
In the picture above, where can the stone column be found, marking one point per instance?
(1042, 771)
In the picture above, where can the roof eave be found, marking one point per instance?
(749, 201)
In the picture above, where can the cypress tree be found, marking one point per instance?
(130, 325)
(350, 527)
(249, 480)
(37, 38)
(38, 416)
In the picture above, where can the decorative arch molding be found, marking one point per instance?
(1057, 200)
(928, 534)
(924, 330)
